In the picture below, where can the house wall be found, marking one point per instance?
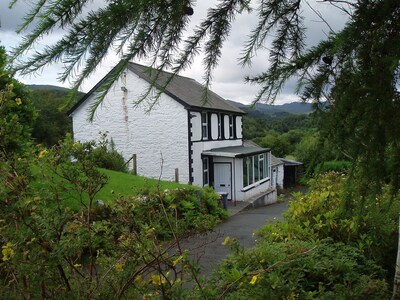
(279, 181)
(159, 138)
(214, 140)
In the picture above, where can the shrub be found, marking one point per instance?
(127, 249)
(299, 270)
(335, 166)
(110, 159)
(333, 209)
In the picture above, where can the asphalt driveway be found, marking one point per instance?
(208, 250)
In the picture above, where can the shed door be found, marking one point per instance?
(223, 178)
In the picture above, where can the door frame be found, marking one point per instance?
(231, 173)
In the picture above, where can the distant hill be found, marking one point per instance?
(46, 87)
(279, 110)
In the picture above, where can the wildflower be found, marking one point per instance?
(254, 280)
(42, 153)
(119, 267)
(226, 241)
(8, 251)
(158, 279)
(18, 101)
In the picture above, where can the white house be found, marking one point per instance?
(180, 138)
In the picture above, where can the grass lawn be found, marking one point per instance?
(124, 184)
(119, 184)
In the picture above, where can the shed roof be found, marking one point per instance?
(275, 161)
(288, 162)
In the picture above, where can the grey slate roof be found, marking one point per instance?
(235, 151)
(275, 161)
(288, 162)
(185, 90)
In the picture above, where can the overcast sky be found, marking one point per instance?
(228, 77)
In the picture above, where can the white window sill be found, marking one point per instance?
(253, 185)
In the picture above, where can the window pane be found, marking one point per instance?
(261, 165)
(205, 171)
(256, 169)
(245, 172)
(204, 125)
(251, 178)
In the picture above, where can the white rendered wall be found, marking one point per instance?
(279, 181)
(159, 138)
(199, 145)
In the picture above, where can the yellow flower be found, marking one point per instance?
(254, 280)
(8, 251)
(18, 101)
(226, 241)
(158, 279)
(42, 153)
(119, 267)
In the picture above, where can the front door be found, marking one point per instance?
(223, 178)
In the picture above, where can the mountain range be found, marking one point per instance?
(276, 110)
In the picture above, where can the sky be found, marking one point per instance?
(228, 77)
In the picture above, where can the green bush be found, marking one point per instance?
(335, 166)
(333, 209)
(299, 270)
(124, 249)
(110, 159)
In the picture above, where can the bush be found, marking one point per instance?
(110, 159)
(299, 270)
(333, 209)
(334, 166)
(127, 249)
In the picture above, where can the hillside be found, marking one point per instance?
(279, 110)
(45, 87)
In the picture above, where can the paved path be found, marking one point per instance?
(208, 249)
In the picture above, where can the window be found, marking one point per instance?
(255, 168)
(204, 125)
(220, 118)
(205, 172)
(231, 135)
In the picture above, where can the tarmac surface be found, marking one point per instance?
(208, 250)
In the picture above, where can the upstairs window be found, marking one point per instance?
(220, 128)
(231, 128)
(204, 126)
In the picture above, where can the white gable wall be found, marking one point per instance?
(158, 138)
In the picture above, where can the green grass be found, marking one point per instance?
(124, 184)
(119, 185)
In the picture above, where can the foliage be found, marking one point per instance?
(299, 270)
(335, 165)
(108, 157)
(16, 113)
(282, 144)
(52, 123)
(333, 209)
(254, 127)
(129, 248)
